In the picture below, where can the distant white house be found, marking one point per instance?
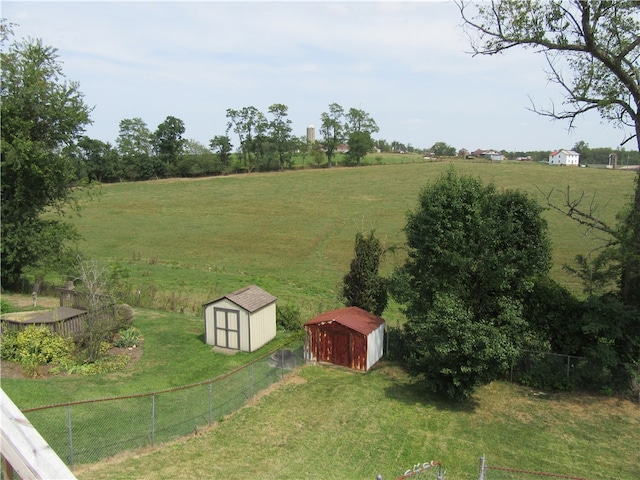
(564, 157)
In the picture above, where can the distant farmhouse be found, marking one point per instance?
(492, 155)
(564, 157)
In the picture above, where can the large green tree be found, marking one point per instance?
(359, 126)
(332, 130)
(42, 115)
(473, 254)
(363, 286)
(248, 123)
(592, 49)
(279, 129)
(168, 144)
(134, 144)
(221, 146)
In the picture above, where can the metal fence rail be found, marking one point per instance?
(89, 431)
(505, 473)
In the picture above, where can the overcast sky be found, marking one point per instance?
(405, 63)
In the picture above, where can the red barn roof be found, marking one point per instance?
(354, 318)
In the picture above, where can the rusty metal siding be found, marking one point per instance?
(337, 344)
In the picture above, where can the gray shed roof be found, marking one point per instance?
(250, 298)
(56, 315)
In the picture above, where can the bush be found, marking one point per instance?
(5, 307)
(129, 337)
(35, 347)
(288, 318)
(8, 345)
(124, 316)
(108, 364)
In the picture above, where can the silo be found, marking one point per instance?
(311, 134)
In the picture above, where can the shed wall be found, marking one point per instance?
(262, 327)
(375, 346)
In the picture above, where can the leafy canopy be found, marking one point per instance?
(473, 252)
(42, 116)
(362, 285)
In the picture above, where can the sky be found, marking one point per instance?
(407, 64)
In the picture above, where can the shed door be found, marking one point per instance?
(227, 328)
(334, 347)
(341, 349)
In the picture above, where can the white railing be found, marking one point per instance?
(24, 451)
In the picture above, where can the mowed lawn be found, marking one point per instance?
(292, 233)
(329, 423)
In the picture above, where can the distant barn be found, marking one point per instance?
(351, 337)
(244, 320)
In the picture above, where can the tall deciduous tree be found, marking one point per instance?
(359, 126)
(362, 286)
(134, 147)
(442, 149)
(42, 115)
(99, 158)
(332, 130)
(473, 252)
(280, 134)
(247, 123)
(221, 145)
(592, 48)
(169, 144)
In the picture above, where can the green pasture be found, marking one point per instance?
(186, 242)
(331, 423)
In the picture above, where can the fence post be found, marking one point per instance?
(153, 419)
(70, 436)
(568, 366)
(482, 467)
(251, 382)
(210, 403)
(281, 364)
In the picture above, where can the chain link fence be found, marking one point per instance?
(492, 472)
(89, 431)
(557, 372)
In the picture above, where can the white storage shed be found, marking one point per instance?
(244, 320)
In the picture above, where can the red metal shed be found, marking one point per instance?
(351, 337)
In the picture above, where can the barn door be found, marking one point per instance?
(341, 349)
(334, 347)
(227, 328)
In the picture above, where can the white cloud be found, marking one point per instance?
(406, 63)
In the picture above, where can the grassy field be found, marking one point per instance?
(329, 423)
(292, 232)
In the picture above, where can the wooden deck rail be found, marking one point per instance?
(23, 449)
